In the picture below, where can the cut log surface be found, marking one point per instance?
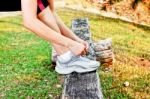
(82, 85)
(104, 51)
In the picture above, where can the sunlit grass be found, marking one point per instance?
(130, 42)
(25, 59)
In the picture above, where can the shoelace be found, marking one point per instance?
(76, 58)
(84, 59)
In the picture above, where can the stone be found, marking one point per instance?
(126, 84)
(82, 85)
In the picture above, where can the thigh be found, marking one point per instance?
(47, 18)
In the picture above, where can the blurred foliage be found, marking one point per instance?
(136, 10)
(114, 1)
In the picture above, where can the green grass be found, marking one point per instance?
(25, 69)
(130, 42)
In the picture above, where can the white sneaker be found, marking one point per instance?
(77, 64)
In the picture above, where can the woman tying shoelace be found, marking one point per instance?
(40, 17)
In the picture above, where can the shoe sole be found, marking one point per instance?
(77, 69)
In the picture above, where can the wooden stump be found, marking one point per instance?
(84, 85)
(104, 53)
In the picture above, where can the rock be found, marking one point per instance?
(107, 69)
(103, 45)
(58, 86)
(126, 84)
(50, 95)
(103, 51)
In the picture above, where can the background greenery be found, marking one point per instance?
(25, 59)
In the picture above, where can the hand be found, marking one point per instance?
(86, 44)
(77, 48)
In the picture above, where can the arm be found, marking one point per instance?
(31, 22)
(64, 29)
(51, 2)
(67, 32)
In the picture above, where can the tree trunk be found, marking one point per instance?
(83, 85)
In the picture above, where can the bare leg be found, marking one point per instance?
(47, 17)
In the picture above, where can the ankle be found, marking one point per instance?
(65, 57)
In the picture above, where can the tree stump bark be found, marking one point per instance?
(83, 85)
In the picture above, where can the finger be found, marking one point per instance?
(83, 53)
